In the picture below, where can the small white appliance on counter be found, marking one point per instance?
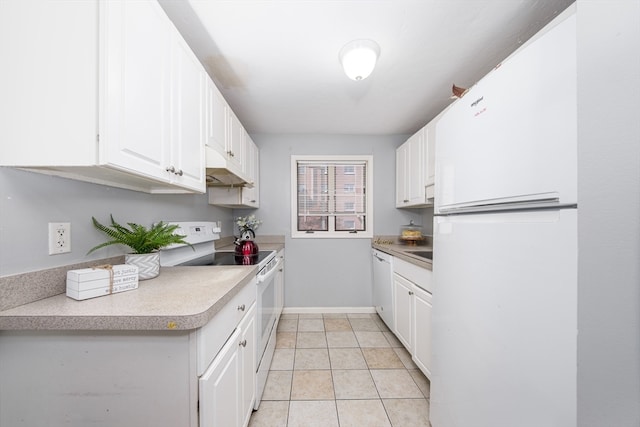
(505, 276)
(202, 236)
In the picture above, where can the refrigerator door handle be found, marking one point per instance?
(527, 202)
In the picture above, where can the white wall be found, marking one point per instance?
(609, 213)
(29, 201)
(328, 272)
(320, 273)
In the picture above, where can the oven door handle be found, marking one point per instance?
(267, 277)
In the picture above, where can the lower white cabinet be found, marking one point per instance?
(248, 365)
(422, 306)
(403, 310)
(227, 388)
(164, 378)
(412, 311)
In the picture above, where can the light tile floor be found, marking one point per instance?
(341, 370)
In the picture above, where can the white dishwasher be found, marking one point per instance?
(383, 286)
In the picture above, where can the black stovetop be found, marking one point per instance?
(228, 258)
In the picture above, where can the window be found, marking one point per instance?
(331, 196)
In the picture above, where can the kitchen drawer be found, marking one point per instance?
(212, 336)
(418, 275)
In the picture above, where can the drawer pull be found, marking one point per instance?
(243, 343)
(241, 307)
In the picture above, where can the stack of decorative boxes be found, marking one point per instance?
(101, 280)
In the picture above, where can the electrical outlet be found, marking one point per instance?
(59, 238)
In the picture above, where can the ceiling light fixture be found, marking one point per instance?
(358, 58)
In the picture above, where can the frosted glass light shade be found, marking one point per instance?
(359, 58)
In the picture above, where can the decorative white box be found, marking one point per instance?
(95, 282)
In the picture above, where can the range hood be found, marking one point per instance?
(220, 171)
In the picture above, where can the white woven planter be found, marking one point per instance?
(148, 264)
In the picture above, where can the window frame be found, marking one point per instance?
(367, 233)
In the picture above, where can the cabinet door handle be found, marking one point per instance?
(179, 173)
(243, 343)
(405, 201)
(171, 169)
(241, 307)
(410, 292)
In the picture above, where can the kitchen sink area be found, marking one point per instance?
(419, 254)
(423, 254)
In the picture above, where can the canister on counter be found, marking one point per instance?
(411, 234)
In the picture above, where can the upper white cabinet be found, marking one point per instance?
(188, 111)
(430, 138)
(416, 168)
(153, 93)
(430, 174)
(251, 196)
(243, 194)
(229, 149)
(216, 119)
(413, 172)
(121, 101)
(235, 139)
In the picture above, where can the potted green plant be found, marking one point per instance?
(145, 243)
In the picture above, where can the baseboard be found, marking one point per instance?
(316, 310)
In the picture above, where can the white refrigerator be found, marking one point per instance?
(505, 243)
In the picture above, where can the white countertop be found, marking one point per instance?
(179, 298)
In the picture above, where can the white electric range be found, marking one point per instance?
(202, 252)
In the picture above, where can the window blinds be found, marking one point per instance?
(332, 196)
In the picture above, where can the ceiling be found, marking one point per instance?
(276, 61)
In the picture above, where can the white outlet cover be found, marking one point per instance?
(59, 238)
